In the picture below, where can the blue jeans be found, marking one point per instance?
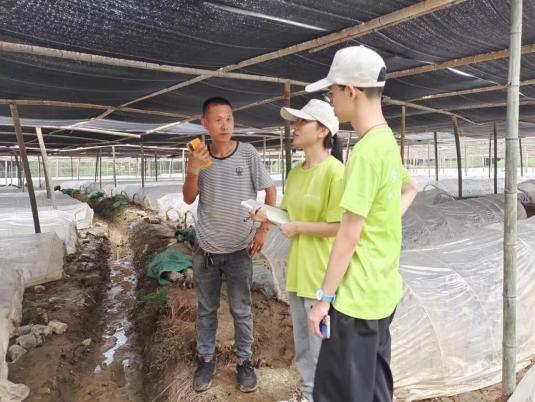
(208, 272)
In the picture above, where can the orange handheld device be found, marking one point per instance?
(193, 145)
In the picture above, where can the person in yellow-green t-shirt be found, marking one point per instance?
(362, 281)
(312, 201)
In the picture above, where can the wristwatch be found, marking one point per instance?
(320, 296)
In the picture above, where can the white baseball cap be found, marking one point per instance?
(315, 109)
(355, 65)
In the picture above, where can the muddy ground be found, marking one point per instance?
(142, 336)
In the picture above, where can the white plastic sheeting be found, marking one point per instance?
(528, 188)
(446, 335)
(38, 256)
(425, 224)
(165, 198)
(472, 187)
(431, 196)
(269, 267)
(478, 186)
(55, 221)
(11, 293)
(16, 217)
(79, 212)
(525, 391)
(27, 260)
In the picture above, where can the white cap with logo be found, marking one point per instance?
(315, 109)
(355, 65)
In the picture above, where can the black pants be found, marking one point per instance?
(354, 364)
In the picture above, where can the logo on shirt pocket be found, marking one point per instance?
(239, 171)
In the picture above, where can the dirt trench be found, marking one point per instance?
(129, 339)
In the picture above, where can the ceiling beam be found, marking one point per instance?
(33, 102)
(463, 61)
(469, 91)
(390, 101)
(11, 47)
(405, 14)
(93, 130)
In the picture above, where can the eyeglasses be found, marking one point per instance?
(328, 96)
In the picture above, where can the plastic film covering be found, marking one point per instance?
(525, 391)
(38, 256)
(79, 212)
(51, 221)
(471, 187)
(269, 268)
(11, 293)
(446, 335)
(431, 196)
(425, 224)
(528, 188)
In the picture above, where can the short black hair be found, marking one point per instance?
(369, 92)
(215, 101)
(373, 92)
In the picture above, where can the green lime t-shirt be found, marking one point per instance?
(312, 195)
(372, 285)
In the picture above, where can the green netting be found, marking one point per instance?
(187, 234)
(95, 195)
(119, 200)
(70, 191)
(167, 261)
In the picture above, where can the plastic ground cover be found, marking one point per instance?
(428, 223)
(446, 335)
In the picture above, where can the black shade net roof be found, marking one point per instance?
(212, 35)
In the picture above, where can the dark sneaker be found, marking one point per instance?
(202, 379)
(246, 376)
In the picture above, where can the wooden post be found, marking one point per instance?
(428, 162)
(287, 130)
(458, 152)
(402, 133)
(114, 171)
(156, 166)
(490, 156)
(436, 155)
(521, 157)
(11, 170)
(100, 169)
(264, 152)
(17, 165)
(142, 166)
(183, 166)
(46, 167)
(465, 160)
(495, 159)
(39, 170)
(511, 201)
(96, 166)
(24, 157)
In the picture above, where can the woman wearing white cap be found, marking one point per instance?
(312, 198)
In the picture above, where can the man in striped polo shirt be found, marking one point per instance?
(226, 239)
